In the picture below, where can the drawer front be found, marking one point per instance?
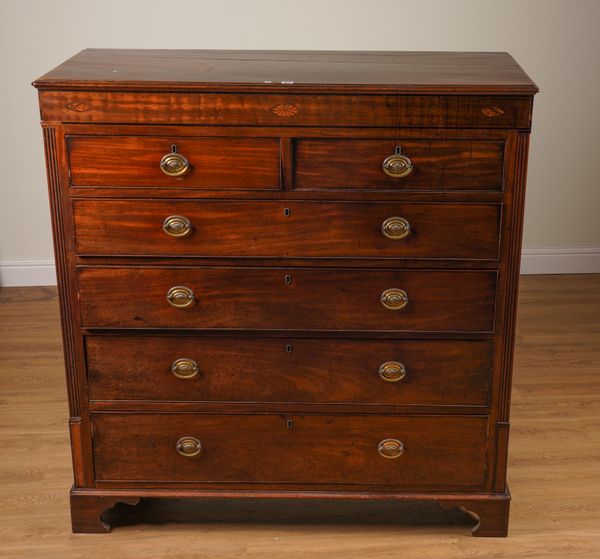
(135, 161)
(277, 298)
(353, 164)
(289, 370)
(286, 229)
(436, 451)
(429, 111)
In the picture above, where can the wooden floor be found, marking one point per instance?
(554, 469)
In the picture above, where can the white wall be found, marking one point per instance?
(556, 41)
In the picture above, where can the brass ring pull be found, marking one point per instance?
(184, 368)
(394, 299)
(390, 448)
(188, 446)
(395, 228)
(397, 165)
(177, 226)
(392, 371)
(180, 296)
(174, 164)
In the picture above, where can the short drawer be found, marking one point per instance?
(409, 452)
(286, 229)
(212, 162)
(407, 164)
(314, 371)
(277, 298)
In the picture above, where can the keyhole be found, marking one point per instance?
(174, 148)
(289, 423)
(288, 279)
(286, 212)
(288, 348)
(398, 150)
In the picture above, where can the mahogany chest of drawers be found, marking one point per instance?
(288, 274)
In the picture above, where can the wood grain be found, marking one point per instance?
(237, 369)
(149, 69)
(488, 140)
(553, 457)
(352, 164)
(256, 109)
(216, 163)
(286, 229)
(61, 257)
(439, 452)
(261, 298)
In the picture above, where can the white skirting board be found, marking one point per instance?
(570, 260)
(565, 260)
(16, 273)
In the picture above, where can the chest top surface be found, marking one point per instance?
(206, 70)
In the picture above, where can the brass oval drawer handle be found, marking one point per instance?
(177, 226)
(390, 448)
(180, 296)
(174, 164)
(395, 228)
(394, 299)
(392, 371)
(188, 446)
(397, 165)
(184, 368)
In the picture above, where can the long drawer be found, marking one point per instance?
(314, 371)
(402, 451)
(276, 298)
(286, 229)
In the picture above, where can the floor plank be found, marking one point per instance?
(554, 469)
